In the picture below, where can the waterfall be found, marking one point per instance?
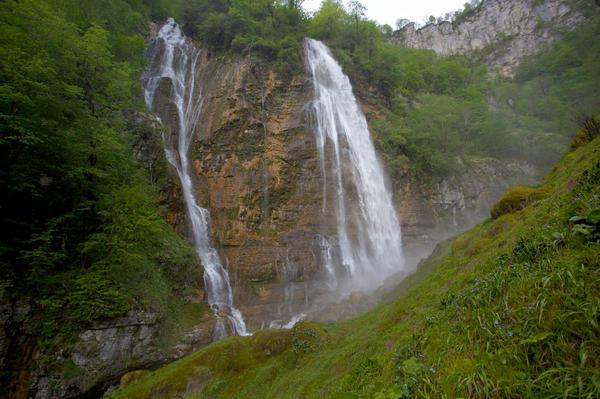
(176, 59)
(368, 229)
(327, 258)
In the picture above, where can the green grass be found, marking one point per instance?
(510, 309)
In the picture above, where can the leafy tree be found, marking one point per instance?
(80, 224)
(357, 10)
(401, 23)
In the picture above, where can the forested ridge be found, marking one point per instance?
(84, 232)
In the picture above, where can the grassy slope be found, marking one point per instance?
(509, 309)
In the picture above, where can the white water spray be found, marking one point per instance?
(177, 62)
(368, 232)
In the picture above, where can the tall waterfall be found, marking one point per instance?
(368, 230)
(176, 59)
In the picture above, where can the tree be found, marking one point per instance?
(387, 30)
(95, 64)
(401, 23)
(329, 21)
(295, 3)
(357, 10)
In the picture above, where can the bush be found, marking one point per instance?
(590, 129)
(587, 226)
(272, 342)
(516, 199)
(269, 29)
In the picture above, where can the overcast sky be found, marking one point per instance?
(388, 11)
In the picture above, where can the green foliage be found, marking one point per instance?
(587, 226)
(81, 230)
(71, 370)
(88, 296)
(362, 375)
(273, 342)
(590, 129)
(306, 338)
(270, 30)
(471, 8)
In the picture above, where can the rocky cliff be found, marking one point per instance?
(256, 169)
(435, 210)
(501, 32)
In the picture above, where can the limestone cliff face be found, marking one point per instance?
(504, 32)
(101, 354)
(443, 207)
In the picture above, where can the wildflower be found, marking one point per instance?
(496, 322)
(510, 333)
(432, 370)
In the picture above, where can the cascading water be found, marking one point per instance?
(369, 235)
(176, 59)
(327, 258)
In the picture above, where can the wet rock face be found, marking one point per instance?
(441, 208)
(106, 351)
(504, 31)
(118, 342)
(103, 352)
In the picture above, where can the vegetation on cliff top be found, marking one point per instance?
(439, 111)
(508, 309)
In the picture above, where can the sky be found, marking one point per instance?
(388, 11)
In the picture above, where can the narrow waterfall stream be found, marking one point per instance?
(368, 231)
(175, 59)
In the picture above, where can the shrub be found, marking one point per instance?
(307, 338)
(273, 342)
(515, 199)
(589, 130)
(587, 226)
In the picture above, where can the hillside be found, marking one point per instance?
(508, 309)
